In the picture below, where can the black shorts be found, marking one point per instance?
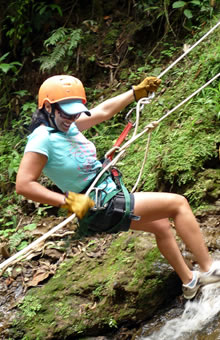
(112, 219)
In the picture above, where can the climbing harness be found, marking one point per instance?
(120, 151)
(111, 214)
(102, 201)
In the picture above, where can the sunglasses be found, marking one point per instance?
(66, 116)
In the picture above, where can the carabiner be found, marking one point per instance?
(127, 117)
(98, 199)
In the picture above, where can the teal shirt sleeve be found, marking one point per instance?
(38, 141)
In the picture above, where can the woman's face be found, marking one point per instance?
(63, 121)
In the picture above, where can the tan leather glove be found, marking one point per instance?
(148, 85)
(77, 203)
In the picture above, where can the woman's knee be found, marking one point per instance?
(180, 204)
(162, 227)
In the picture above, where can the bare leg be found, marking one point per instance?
(155, 209)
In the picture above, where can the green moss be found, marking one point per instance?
(30, 306)
(145, 269)
(92, 292)
(207, 187)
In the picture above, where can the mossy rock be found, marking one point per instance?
(89, 295)
(206, 188)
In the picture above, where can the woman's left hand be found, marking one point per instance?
(147, 86)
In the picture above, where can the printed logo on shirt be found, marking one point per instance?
(84, 153)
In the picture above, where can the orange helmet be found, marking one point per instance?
(61, 87)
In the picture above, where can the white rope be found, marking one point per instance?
(139, 107)
(144, 101)
(189, 50)
(122, 149)
(168, 113)
(188, 98)
(143, 164)
(32, 245)
(148, 141)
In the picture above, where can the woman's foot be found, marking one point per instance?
(201, 279)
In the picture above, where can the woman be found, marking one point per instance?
(58, 148)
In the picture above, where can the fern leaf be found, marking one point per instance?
(57, 36)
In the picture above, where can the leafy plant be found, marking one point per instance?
(168, 50)
(60, 46)
(9, 158)
(16, 241)
(41, 211)
(6, 67)
(24, 18)
(8, 76)
(25, 113)
(190, 10)
(6, 232)
(30, 306)
(112, 323)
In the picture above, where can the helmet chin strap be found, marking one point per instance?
(51, 116)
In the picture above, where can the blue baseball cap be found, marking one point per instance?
(73, 107)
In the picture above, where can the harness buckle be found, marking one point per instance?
(98, 199)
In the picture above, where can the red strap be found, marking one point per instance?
(121, 138)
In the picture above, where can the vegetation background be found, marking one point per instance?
(111, 45)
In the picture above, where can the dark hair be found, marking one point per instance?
(39, 117)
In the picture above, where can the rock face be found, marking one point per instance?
(110, 283)
(210, 224)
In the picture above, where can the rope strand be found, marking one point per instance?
(189, 50)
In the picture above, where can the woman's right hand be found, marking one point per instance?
(77, 203)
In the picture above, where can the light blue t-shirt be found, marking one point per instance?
(72, 163)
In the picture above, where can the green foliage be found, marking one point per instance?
(8, 76)
(185, 141)
(112, 323)
(6, 232)
(188, 12)
(6, 67)
(24, 18)
(9, 100)
(30, 227)
(195, 9)
(42, 211)
(9, 157)
(207, 185)
(25, 114)
(22, 24)
(98, 292)
(30, 306)
(60, 48)
(16, 239)
(168, 50)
